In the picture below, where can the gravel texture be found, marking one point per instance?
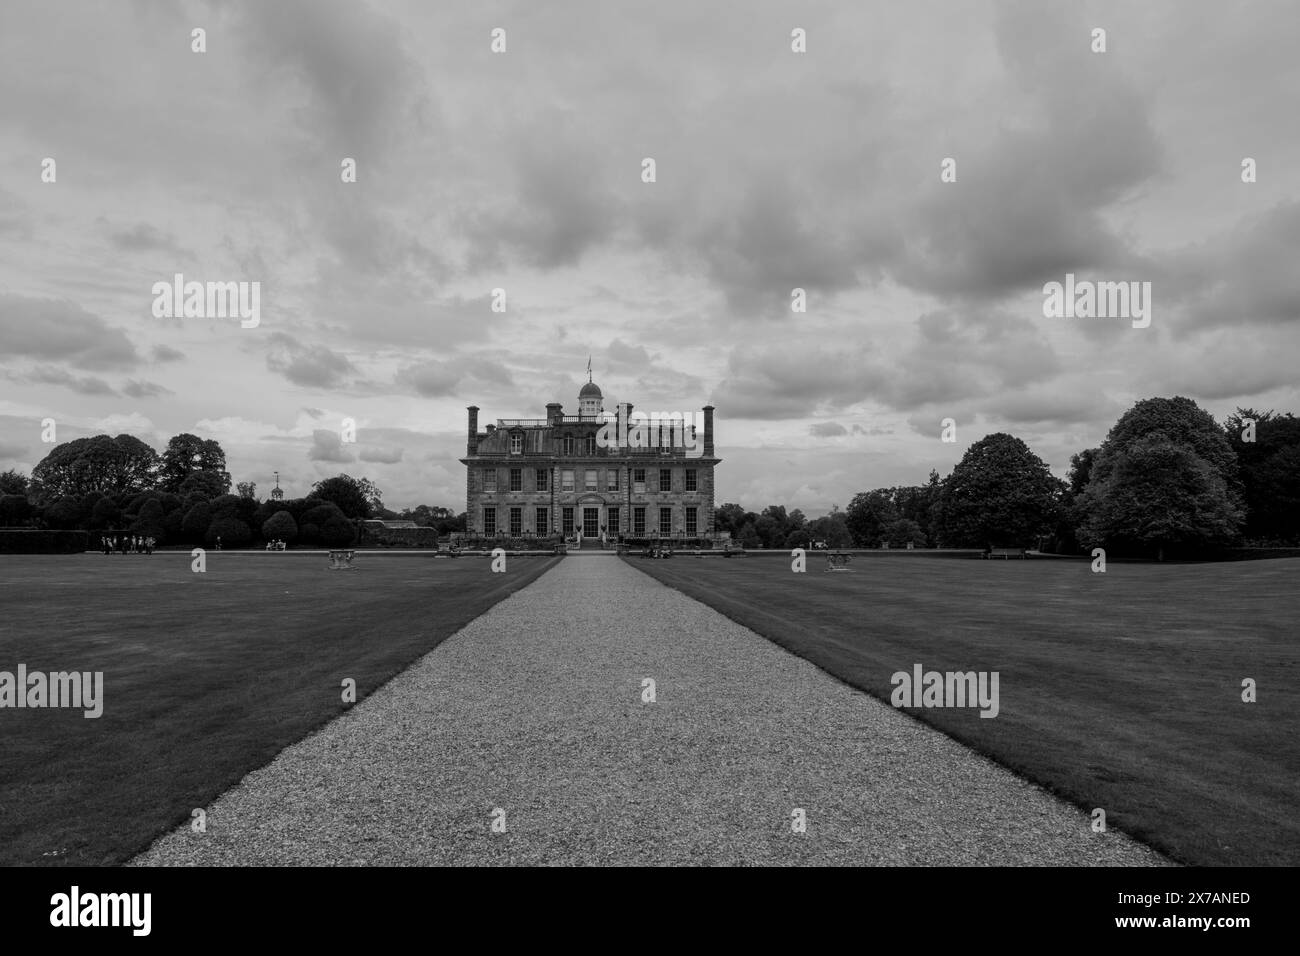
(536, 708)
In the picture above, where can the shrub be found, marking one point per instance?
(338, 532)
(43, 542)
(66, 513)
(232, 532)
(150, 522)
(280, 526)
(14, 510)
(197, 520)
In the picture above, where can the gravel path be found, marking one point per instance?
(536, 708)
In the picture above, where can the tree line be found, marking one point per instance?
(183, 496)
(1168, 479)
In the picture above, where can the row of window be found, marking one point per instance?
(591, 479)
(591, 526)
(569, 444)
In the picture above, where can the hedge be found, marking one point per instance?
(26, 541)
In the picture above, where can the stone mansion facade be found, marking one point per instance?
(559, 475)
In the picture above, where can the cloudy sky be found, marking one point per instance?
(522, 170)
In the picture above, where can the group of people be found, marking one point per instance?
(127, 543)
(276, 545)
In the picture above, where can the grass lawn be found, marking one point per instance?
(1119, 690)
(206, 676)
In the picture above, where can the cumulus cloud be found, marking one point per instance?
(826, 429)
(82, 384)
(312, 366)
(386, 455)
(61, 330)
(328, 446)
(165, 353)
(137, 389)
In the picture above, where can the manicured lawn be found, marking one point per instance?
(206, 676)
(1119, 690)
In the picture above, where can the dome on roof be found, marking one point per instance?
(590, 390)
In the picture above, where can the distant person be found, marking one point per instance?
(218, 542)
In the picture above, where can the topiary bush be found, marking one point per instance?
(280, 526)
(196, 522)
(232, 532)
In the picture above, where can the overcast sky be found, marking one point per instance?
(522, 170)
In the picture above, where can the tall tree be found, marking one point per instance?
(13, 482)
(186, 454)
(355, 497)
(1268, 450)
(999, 494)
(868, 514)
(1158, 494)
(1195, 504)
(99, 463)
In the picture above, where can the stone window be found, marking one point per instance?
(543, 479)
(566, 479)
(516, 479)
(489, 479)
(692, 480)
(490, 522)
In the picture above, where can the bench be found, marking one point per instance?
(342, 560)
(1005, 553)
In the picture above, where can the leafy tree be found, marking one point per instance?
(206, 482)
(1120, 509)
(1158, 493)
(798, 539)
(99, 463)
(868, 514)
(748, 536)
(832, 528)
(1270, 473)
(999, 494)
(280, 527)
(186, 454)
(13, 482)
(247, 489)
(196, 522)
(729, 517)
(1178, 419)
(904, 531)
(355, 497)
(14, 510)
(1081, 469)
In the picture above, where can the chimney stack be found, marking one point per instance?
(554, 412)
(708, 431)
(471, 447)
